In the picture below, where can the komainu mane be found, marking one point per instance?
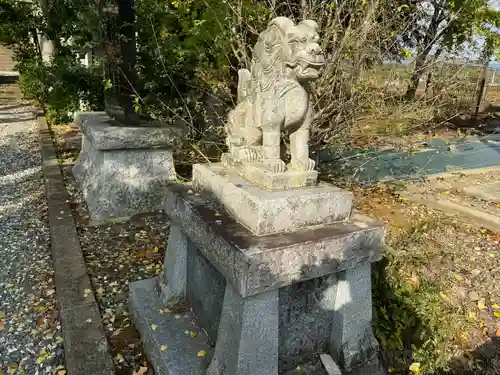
(273, 97)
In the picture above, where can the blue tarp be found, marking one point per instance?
(436, 156)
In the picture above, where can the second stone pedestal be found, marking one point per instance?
(266, 302)
(122, 171)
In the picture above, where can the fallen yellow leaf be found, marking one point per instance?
(193, 333)
(495, 306)
(446, 192)
(163, 348)
(472, 315)
(156, 249)
(61, 372)
(497, 314)
(458, 277)
(202, 353)
(480, 304)
(154, 326)
(481, 324)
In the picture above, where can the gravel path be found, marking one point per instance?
(30, 341)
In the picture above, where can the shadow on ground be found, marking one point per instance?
(487, 122)
(484, 360)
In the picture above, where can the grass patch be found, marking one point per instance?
(435, 293)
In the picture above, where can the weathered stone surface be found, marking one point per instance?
(119, 183)
(205, 291)
(266, 212)
(352, 341)
(254, 264)
(305, 324)
(273, 96)
(486, 192)
(173, 280)
(170, 350)
(248, 335)
(85, 345)
(103, 135)
(306, 313)
(269, 179)
(330, 365)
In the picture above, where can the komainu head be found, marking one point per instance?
(288, 50)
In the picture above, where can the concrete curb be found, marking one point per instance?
(85, 344)
(479, 218)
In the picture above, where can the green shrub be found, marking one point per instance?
(60, 85)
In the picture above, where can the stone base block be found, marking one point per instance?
(259, 175)
(270, 303)
(122, 171)
(267, 212)
(255, 264)
(166, 335)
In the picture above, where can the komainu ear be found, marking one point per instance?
(310, 24)
(283, 23)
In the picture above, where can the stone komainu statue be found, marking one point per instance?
(273, 96)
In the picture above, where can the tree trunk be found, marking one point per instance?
(420, 63)
(428, 83)
(432, 35)
(481, 81)
(47, 45)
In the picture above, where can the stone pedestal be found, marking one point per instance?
(123, 171)
(273, 278)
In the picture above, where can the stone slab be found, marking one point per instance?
(258, 174)
(167, 329)
(267, 212)
(486, 192)
(85, 346)
(255, 264)
(98, 127)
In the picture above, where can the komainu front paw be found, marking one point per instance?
(275, 165)
(251, 154)
(306, 165)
